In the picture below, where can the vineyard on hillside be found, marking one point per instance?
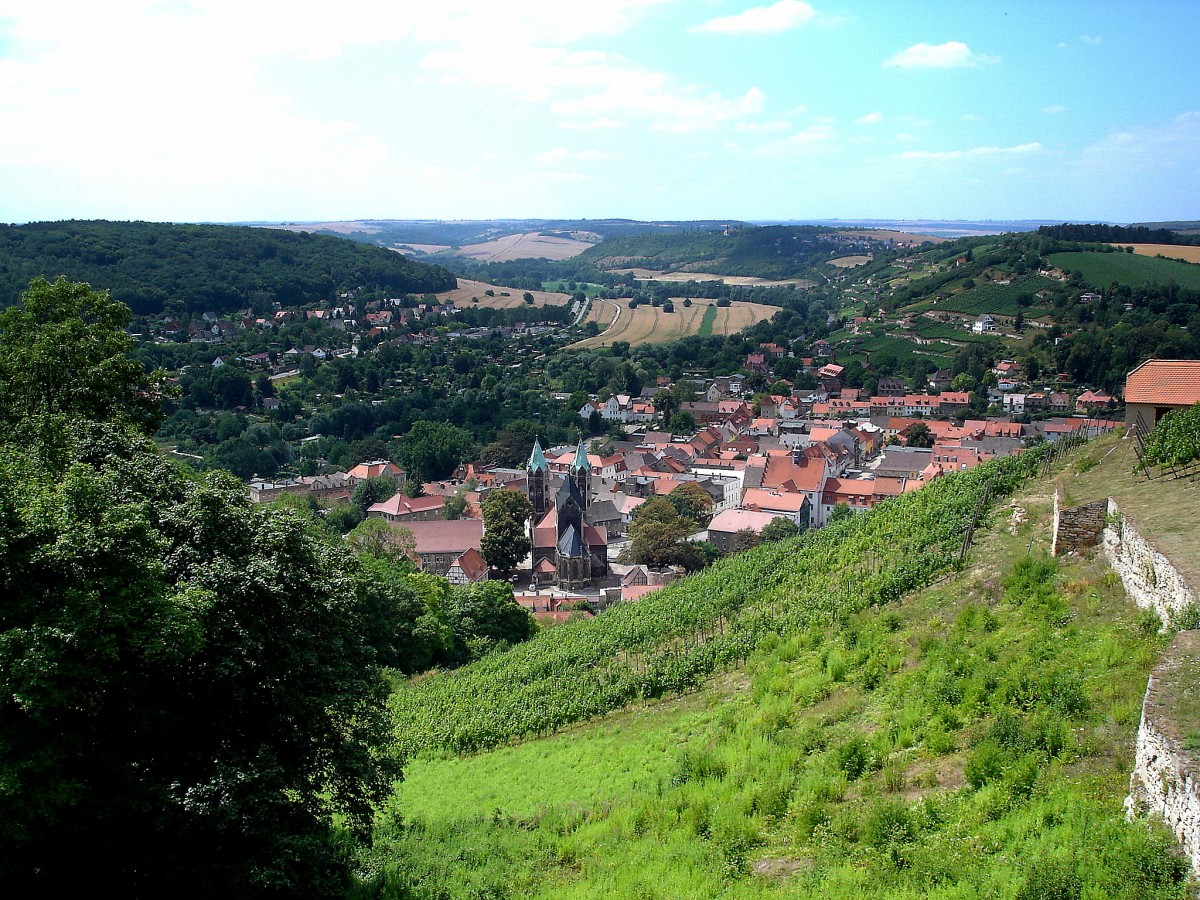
(675, 638)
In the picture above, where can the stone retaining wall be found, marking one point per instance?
(1148, 576)
(1166, 774)
(1164, 780)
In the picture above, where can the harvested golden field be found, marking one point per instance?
(461, 296)
(1170, 251)
(532, 245)
(849, 262)
(684, 277)
(650, 325)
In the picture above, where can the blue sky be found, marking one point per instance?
(227, 110)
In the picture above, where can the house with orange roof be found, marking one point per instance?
(793, 507)
(1157, 387)
(860, 494)
(468, 568)
(1089, 401)
(379, 468)
(723, 528)
(400, 508)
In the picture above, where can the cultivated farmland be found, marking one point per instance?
(505, 297)
(1101, 269)
(531, 245)
(650, 325)
(1170, 251)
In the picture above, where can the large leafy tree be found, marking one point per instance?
(433, 449)
(189, 684)
(64, 352)
(505, 539)
(657, 536)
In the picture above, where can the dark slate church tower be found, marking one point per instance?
(539, 481)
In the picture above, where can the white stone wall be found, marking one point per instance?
(1164, 782)
(1148, 576)
(1166, 779)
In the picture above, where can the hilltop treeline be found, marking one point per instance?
(147, 265)
(1132, 234)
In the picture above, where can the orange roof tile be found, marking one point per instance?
(1168, 382)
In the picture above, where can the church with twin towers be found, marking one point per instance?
(568, 549)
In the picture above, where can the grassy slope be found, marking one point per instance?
(972, 740)
(1101, 269)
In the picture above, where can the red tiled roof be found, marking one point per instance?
(1167, 382)
(446, 536)
(472, 564)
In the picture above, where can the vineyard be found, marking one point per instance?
(994, 299)
(675, 638)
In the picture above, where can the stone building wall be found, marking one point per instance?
(1078, 527)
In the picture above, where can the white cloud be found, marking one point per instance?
(593, 124)
(666, 108)
(771, 126)
(950, 55)
(1090, 39)
(1175, 144)
(974, 152)
(869, 119)
(1054, 110)
(777, 17)
(561, 154)
(816, 138)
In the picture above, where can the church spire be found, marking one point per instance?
(581, 460)
(537, 459)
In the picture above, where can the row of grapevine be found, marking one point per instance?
(675, 638)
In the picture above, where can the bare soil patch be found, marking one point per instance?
(422, 248)
(849, 262)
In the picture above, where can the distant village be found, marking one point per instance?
(798, 457)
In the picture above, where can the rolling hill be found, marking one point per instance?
(204, 267)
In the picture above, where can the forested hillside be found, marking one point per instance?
(147, 265)
(774, 251)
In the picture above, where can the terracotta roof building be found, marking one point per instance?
(1158, 386)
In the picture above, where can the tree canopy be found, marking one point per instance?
(191, 693)
(65, 353)
(505, 540)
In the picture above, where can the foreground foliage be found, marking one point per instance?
(1175, 440)
(187, 695)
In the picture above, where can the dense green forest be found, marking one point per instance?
(1125, 234)
(153, 266)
